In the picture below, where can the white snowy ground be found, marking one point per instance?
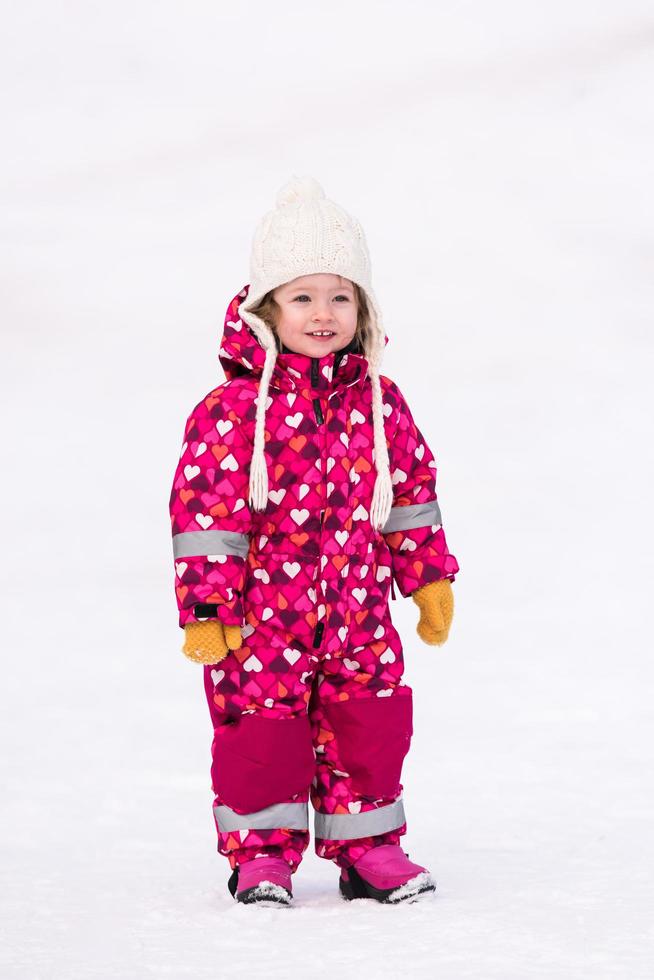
(499, 157)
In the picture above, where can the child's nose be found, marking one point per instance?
(322, 312)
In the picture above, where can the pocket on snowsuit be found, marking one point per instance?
(368, 592)
(280, 592)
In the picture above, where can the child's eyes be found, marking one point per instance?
(304, 296)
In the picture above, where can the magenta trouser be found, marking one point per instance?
(291, 725)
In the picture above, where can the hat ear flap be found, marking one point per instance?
(261, 330)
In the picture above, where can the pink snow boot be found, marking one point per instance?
(264, 881)
(386, 874)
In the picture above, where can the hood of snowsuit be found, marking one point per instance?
(241, 354)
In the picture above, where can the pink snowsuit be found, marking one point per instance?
(313, 705)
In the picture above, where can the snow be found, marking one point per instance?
(499, 158)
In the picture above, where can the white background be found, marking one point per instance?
(499, 157)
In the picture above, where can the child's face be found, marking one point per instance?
(323, 302)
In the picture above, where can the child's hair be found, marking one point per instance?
(268, 311)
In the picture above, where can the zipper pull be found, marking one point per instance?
(318, 410)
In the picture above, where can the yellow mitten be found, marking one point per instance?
(436, 604)
(209, 642)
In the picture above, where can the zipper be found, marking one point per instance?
(320, 627)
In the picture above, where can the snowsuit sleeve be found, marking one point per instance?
(413, 531)
(210, 515)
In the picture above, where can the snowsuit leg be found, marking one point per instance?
(361, 716)
(263, 759)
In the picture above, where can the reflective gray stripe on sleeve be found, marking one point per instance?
(191, 543)
(350, 826)
(294, 816)
(413, 515)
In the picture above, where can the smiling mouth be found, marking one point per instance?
(321, 333)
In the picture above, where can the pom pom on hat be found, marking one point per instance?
(299, 190)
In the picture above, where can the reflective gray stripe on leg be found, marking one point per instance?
(350, 826)
(413, 515)
(294, 816)
(191, 543)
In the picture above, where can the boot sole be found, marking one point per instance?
(357, 887)
(266, 894)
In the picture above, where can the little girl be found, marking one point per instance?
(304, 490)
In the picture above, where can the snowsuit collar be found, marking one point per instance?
(324, 373)
(241, 353)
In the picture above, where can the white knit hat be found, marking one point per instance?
(304, 235)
